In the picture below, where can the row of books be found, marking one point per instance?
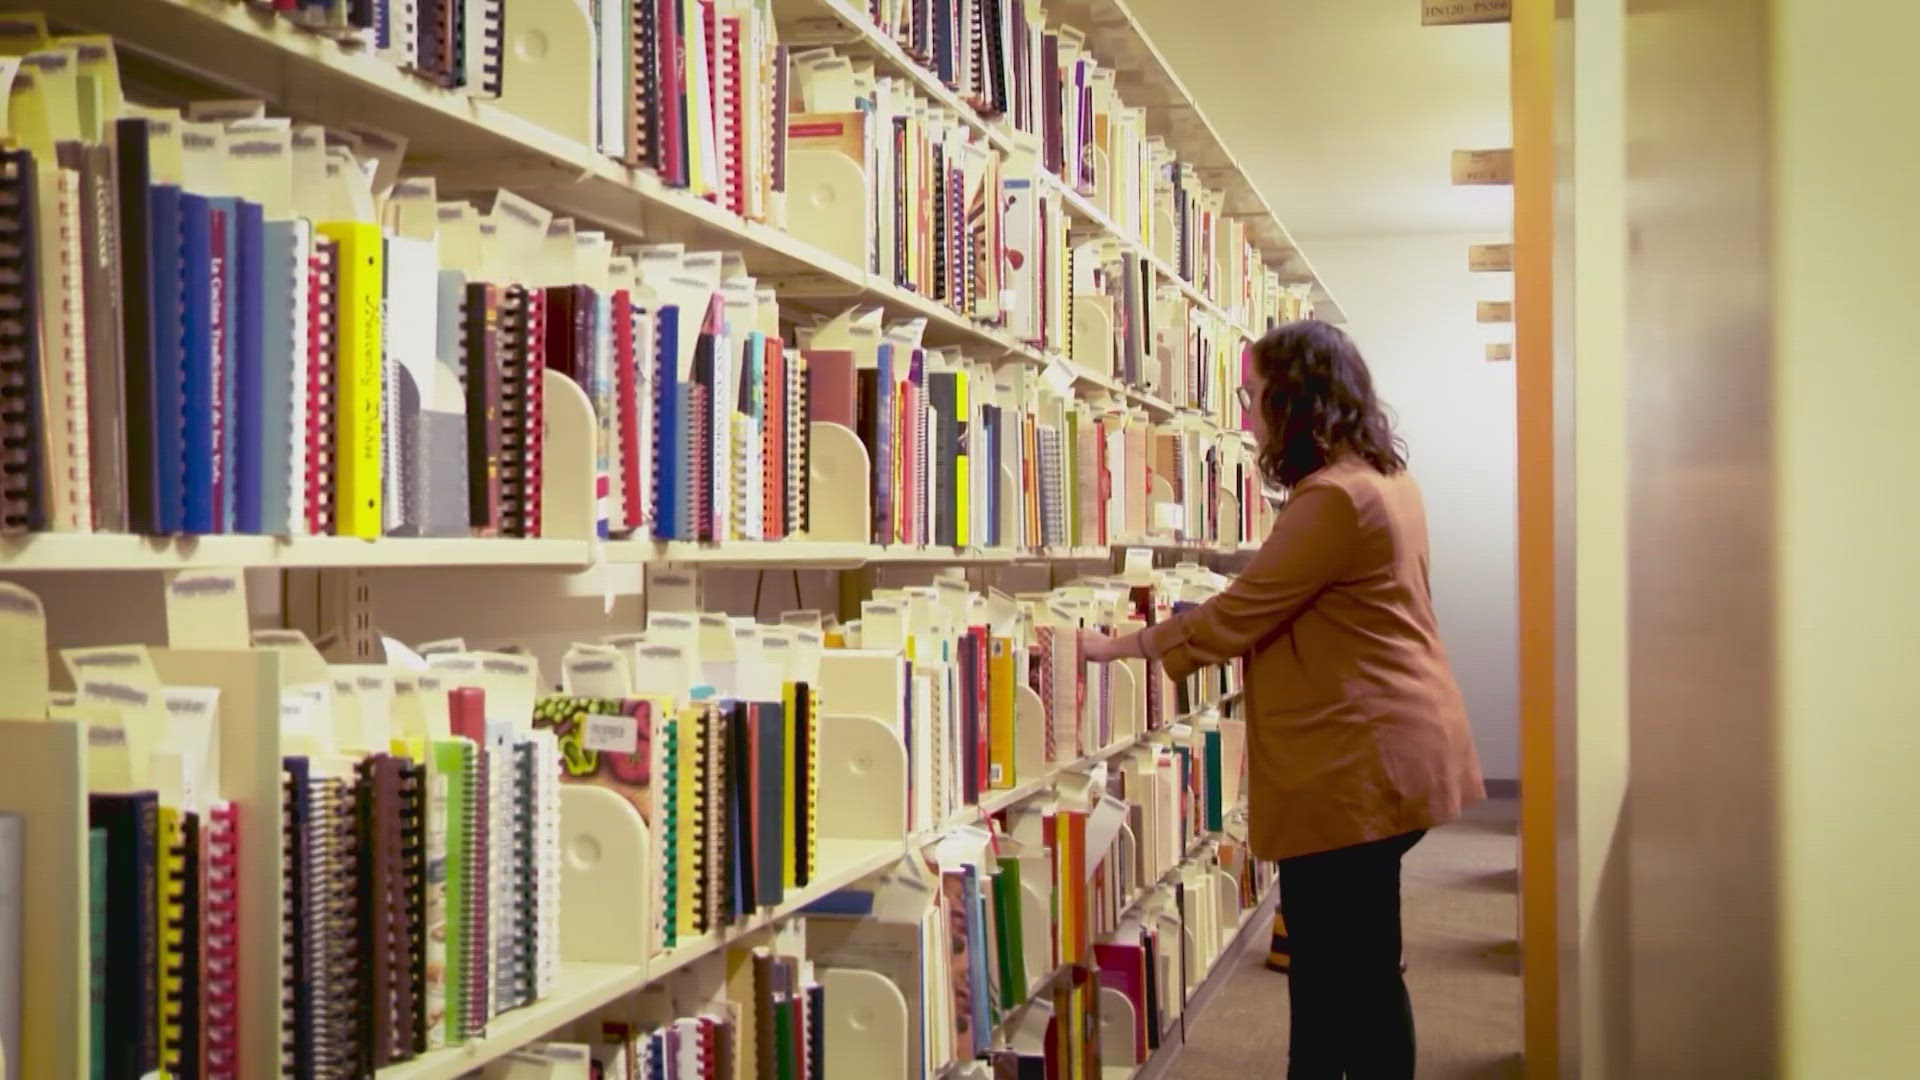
(766, 1021)
(964, 454)
(702, 93)
(377, 367)
(1036, 76)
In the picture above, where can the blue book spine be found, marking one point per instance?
(169, 359)
(225, 354)
(883, 527)
(670, 434)
(199, 368)
(274, 381)
(247, 449)
(978, 949)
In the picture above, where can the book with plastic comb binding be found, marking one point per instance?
(298, 917)
(333, 927)
(669, 427)
(318, 497)
(480, 355)
(522, 413)
(689, 796)
(23, 502)
(632, 414)
(179, 867)
(220, 941)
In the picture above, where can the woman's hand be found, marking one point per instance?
(1096, 647)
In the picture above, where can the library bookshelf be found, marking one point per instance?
(1217, 266)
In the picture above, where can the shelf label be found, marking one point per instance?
(613, 734)
(1483, 167)
(1500, 350)
(1493, 311)
(1462, 12)
(1489, 258)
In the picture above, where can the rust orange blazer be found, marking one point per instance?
(1356, 730)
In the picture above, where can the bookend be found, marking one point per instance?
(1029, 734)
(608, 902)
(1158, 495)
(826, 204)
(249, 682)
(863, 782)
(547, 62)
(866, 1024)
(43, 778)
(568, 509)
(1118, 1022)
(1093, 334)
(842, 485)
(1036, 910)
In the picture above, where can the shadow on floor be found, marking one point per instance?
(1459, 911)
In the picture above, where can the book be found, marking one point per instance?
(13, 865)
(131, 824)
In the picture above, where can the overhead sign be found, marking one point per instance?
(1458, 12)
(1489, 258)
(1500, 350)
(1494, 311)
(1483, 166)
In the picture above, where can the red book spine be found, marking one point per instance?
(467, 713)
(536, 429)
(673, 93)
(982, 710)
(773, 437)
(220, 980)
(626, 376)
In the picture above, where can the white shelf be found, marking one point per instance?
(586, 987)
(121, 551)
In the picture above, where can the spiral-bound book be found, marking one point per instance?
(178, 868)
(689, 795)
(670, 430)
(482, 46)
(522, 416)
(317, 500)
(631, 414)
(299, 920)
(23, 496)
(480, 354)
(462, 765)
(716, 829)
(220, 942)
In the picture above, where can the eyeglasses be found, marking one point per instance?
(1246, 397)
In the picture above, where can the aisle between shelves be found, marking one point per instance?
(700, 834)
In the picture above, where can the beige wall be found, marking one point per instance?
(1591, 534)
(1411, 300)
(1846, 93)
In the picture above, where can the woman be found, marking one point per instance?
(1358, 738)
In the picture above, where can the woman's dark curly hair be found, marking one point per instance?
(1319, 404)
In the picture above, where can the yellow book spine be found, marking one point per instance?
(1000, 697)
(170, 889)
(812, 765)
(962, 484)
(359, 397)
(687, 798)
(794, 786)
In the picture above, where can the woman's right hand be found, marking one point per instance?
(1096, 647)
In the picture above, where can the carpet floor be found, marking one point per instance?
(1459, 910)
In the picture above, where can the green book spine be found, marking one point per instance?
(97, 953)
(668, 831)
(1215, 812)
(1011, 943)
(785, 1053)
(453, 760)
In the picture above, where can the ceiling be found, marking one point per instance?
(1345, 113)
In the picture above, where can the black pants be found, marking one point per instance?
(1351, 1016)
